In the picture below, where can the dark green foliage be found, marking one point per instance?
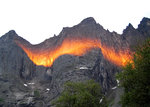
(36, 93)
(78, 94)
(136, 79)
(1, 100)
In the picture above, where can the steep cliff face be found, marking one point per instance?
(20, 77)
(15, 67)
(13, 58)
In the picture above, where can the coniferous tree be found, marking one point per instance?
(135, 79)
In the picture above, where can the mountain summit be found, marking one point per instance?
(89, 20)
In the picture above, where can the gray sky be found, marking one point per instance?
(37, 20)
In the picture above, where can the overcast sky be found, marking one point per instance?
(37, 20)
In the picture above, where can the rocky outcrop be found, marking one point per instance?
(136, 36)
(25, 84)
(15, 68)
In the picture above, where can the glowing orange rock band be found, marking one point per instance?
(76, 47)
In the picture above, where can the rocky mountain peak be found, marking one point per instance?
(129, 28)
(89, 20)
(12, 32)
(144, 23)
(9, 35)
(144, 26)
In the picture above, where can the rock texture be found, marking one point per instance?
(22, 83)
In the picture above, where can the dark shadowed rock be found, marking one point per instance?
(144, 26)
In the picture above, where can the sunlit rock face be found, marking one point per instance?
(82, 52)
(77, 47)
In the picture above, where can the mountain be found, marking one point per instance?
(33, 75)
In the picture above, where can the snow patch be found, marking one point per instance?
(100, 101)
(31, 83)
(83, 68)
(25, 85)
(118, 82)
(114, 87)
(47, 89)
